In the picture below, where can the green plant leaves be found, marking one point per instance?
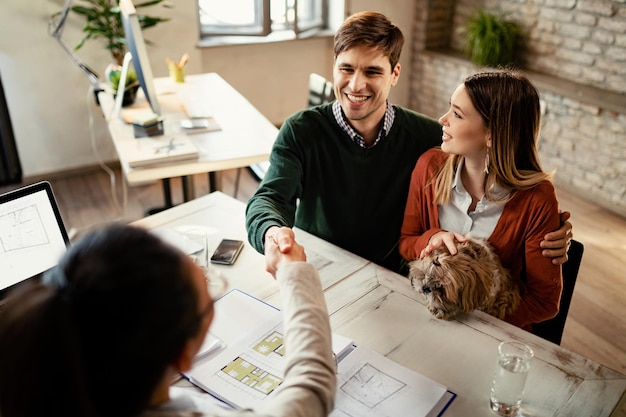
(104, 21)
(490, 39)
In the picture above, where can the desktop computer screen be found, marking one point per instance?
(139, 54)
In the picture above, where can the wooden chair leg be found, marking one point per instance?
(212, 182)
(237, 182)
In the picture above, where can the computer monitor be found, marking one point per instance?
(138, 55)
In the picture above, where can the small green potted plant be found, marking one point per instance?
(104, 21)
(113, 73)
(491, 39)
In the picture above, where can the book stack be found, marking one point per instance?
(149, 124)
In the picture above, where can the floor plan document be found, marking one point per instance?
(371, 385)
(247, 368)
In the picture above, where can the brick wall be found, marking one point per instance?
(575, 54)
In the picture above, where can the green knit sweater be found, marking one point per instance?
(321, 181)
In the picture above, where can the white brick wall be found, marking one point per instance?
(576, 35)
(583, 41)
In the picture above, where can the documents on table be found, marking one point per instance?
(241, 363)
(371, 385)
(157, 150)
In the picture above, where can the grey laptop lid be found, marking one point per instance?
(32, 235)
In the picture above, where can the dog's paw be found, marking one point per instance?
(440, 313)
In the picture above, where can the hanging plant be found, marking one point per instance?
(491, 40)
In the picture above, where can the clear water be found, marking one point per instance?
(508, 385)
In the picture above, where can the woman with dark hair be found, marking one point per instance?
(123, 312)
(487, 180)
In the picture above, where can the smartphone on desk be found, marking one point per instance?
(227, 252)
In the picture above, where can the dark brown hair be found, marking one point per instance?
(373, 30)
(97, 335)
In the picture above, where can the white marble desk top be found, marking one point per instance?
(378, 308)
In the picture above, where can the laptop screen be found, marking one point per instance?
(32, 234)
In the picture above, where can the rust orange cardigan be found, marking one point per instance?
(527, 217)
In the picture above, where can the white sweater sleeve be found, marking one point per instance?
(310, 375)
(308, 389)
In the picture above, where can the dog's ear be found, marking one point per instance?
(479, 273)
(416, 270)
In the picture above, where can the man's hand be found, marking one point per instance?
(282, 236)
(443, 238)
(556, 244)
(281, 248)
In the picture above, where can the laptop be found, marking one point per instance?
(32, 235)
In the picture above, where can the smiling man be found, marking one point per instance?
(341, 170)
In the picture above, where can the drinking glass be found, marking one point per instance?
(216, 283)
(200, 255)
(510, 377)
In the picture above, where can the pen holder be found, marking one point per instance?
(177, 74)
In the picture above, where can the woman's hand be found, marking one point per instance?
(443, 238)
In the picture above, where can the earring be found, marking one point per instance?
(487, 162)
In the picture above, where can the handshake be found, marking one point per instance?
(281, 248)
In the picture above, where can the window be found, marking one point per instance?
(272, 19)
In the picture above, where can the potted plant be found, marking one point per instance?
(491, 39)
(104, 21)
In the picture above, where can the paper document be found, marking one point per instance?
(157, 150)
(371, 385)
(248, 367)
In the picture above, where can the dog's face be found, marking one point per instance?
(457, 283)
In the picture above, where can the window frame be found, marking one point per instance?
(262, 30)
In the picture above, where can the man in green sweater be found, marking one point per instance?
(341, 170)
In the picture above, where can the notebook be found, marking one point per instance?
(32, 235)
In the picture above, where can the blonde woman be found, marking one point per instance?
(486, 180)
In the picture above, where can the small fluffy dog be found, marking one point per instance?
(472, 279)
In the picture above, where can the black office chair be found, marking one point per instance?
(320, 92)
(552, 329)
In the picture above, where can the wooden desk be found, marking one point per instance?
(378, 308)
(246, 137)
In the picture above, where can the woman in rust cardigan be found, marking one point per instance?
(486, 180)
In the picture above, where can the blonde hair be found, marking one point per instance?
(509, 105)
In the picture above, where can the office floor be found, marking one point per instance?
(596, 325)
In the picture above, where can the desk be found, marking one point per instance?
(378, 308)
(246, 137)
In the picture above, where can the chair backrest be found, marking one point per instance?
(320, 90)
(552, 329)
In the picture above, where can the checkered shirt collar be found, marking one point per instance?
(390, 115)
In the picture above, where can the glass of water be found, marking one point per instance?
(216, 283)
(199, 252)
(510, 377)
